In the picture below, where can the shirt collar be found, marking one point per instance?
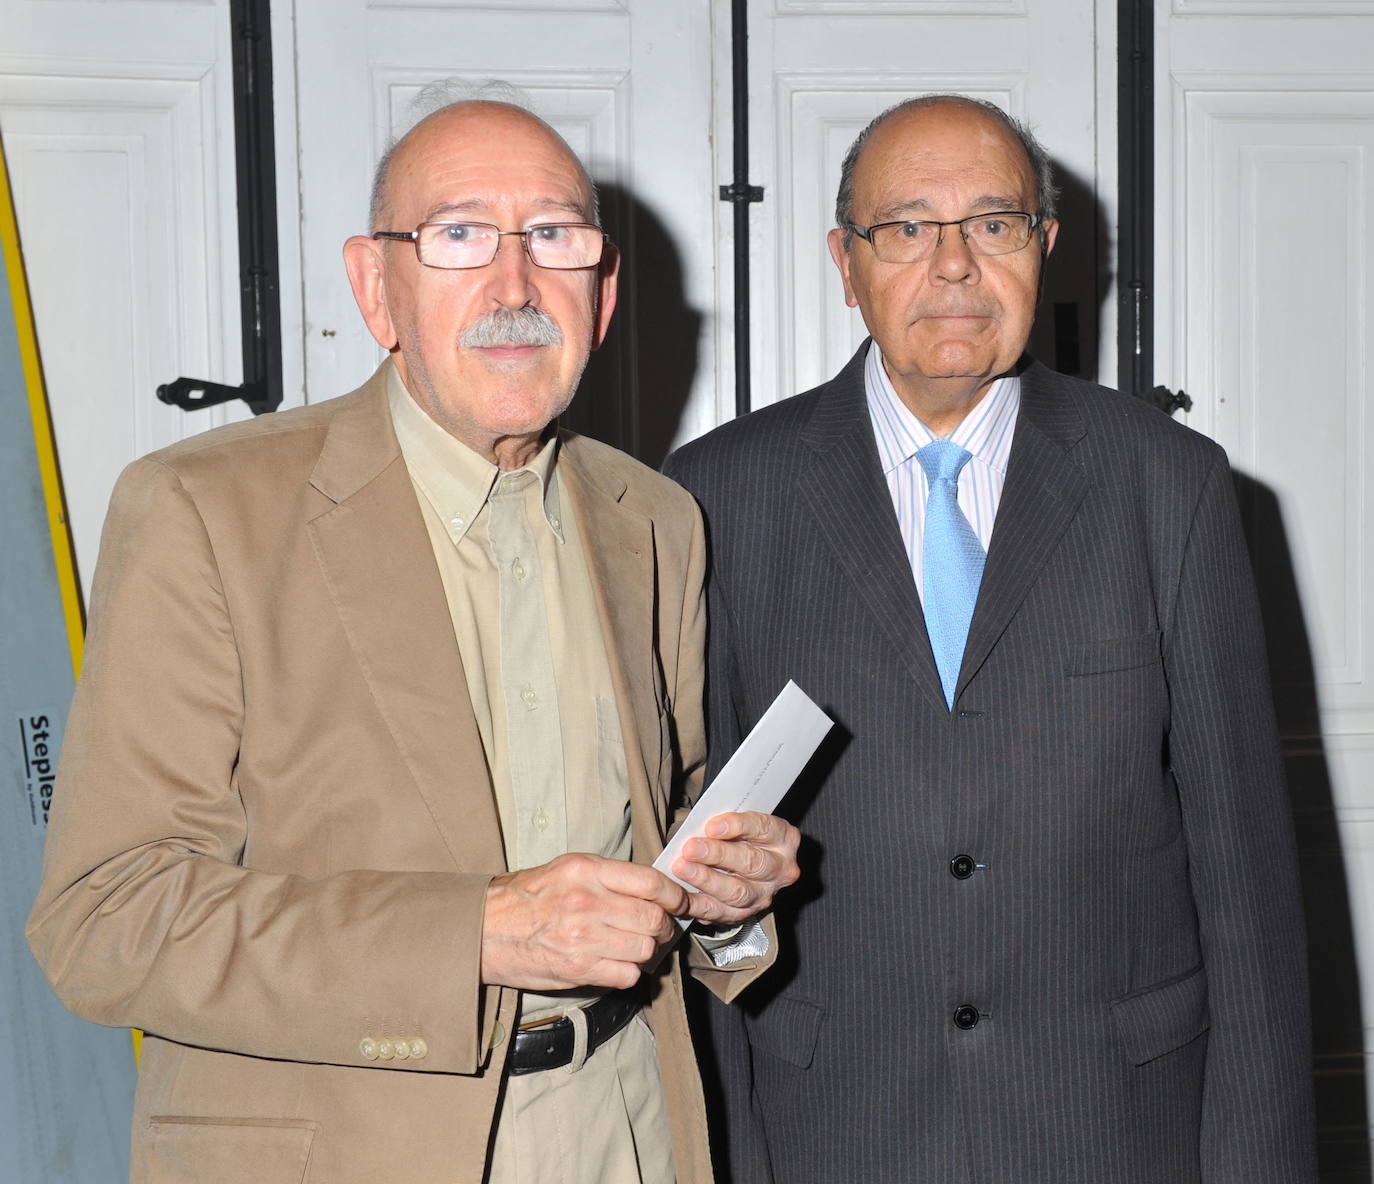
(985, 432)
(455, 479)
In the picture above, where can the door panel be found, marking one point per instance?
(1264, 282)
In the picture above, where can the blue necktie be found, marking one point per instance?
(951, 559)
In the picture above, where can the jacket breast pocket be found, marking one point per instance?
(787, 1028)
(1117, 653)
(194, 1150)
(1162, 1017)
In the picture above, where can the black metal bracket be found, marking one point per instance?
(741, 191)
(259, 293)
(1168, 401)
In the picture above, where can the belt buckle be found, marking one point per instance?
(553, 1040)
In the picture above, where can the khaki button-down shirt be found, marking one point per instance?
(511, 557)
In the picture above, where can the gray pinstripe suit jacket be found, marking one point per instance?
(1132, 938)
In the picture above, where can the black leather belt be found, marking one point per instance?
(550, 1046)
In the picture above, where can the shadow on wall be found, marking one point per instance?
(637, 384)
(1337, 1022)
(1068, 325)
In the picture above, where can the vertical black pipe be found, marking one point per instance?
(739, 56)
(741, 193)
(255, 159)
(255, 141)
(1136, 173)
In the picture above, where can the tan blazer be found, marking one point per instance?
(274, 825)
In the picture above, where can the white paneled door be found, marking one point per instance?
(121, 155)
(1265, 296)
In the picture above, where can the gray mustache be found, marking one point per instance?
(511, 326)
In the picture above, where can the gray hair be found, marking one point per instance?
(1046, 191)
(449, 92)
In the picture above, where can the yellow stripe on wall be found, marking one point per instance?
(42, 424)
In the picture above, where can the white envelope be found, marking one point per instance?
(760, 772)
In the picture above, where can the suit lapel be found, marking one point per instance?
(378, 564)
(1043, 491)
(851, 503)
(619, 547)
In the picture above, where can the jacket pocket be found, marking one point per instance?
(1118, 653)
(195, 1150)
(787, 1028)
(1163, 1017)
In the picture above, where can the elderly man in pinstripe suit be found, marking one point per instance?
(1053, 932)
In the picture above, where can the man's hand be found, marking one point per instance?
(576, 921)
(738, 866)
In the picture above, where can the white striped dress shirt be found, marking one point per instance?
(985, 433)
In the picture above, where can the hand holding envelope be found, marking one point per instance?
(584, 920)
(733, 871)
(732, 853)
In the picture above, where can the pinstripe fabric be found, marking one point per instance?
(1132, 941)
(985, 433)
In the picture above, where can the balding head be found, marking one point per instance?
(381, 206)
(1037, 159)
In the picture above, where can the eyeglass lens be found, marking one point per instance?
(986, 234)
(474, 244)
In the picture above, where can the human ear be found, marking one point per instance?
(840, 254)
(607, 283)
(366, 268)
(1049, 231)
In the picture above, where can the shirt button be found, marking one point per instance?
(528, 696)
(540, 820)
(962, 866)
(456, 521)
(518, 570)
(418, 1049)
(966, 1017)
(368, 1047)
(554, 522)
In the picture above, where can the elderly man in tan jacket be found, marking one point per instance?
(388, 702)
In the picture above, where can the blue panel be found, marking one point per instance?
(66, 1086)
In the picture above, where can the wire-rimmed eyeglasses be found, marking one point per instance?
(998, 233)
(455, 246)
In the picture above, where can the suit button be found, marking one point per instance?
(402, 1049)
(368, 1047)
(418, 1049)
(498, 1034)
(385, 1050)
(961, 867)
(966, 1017)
